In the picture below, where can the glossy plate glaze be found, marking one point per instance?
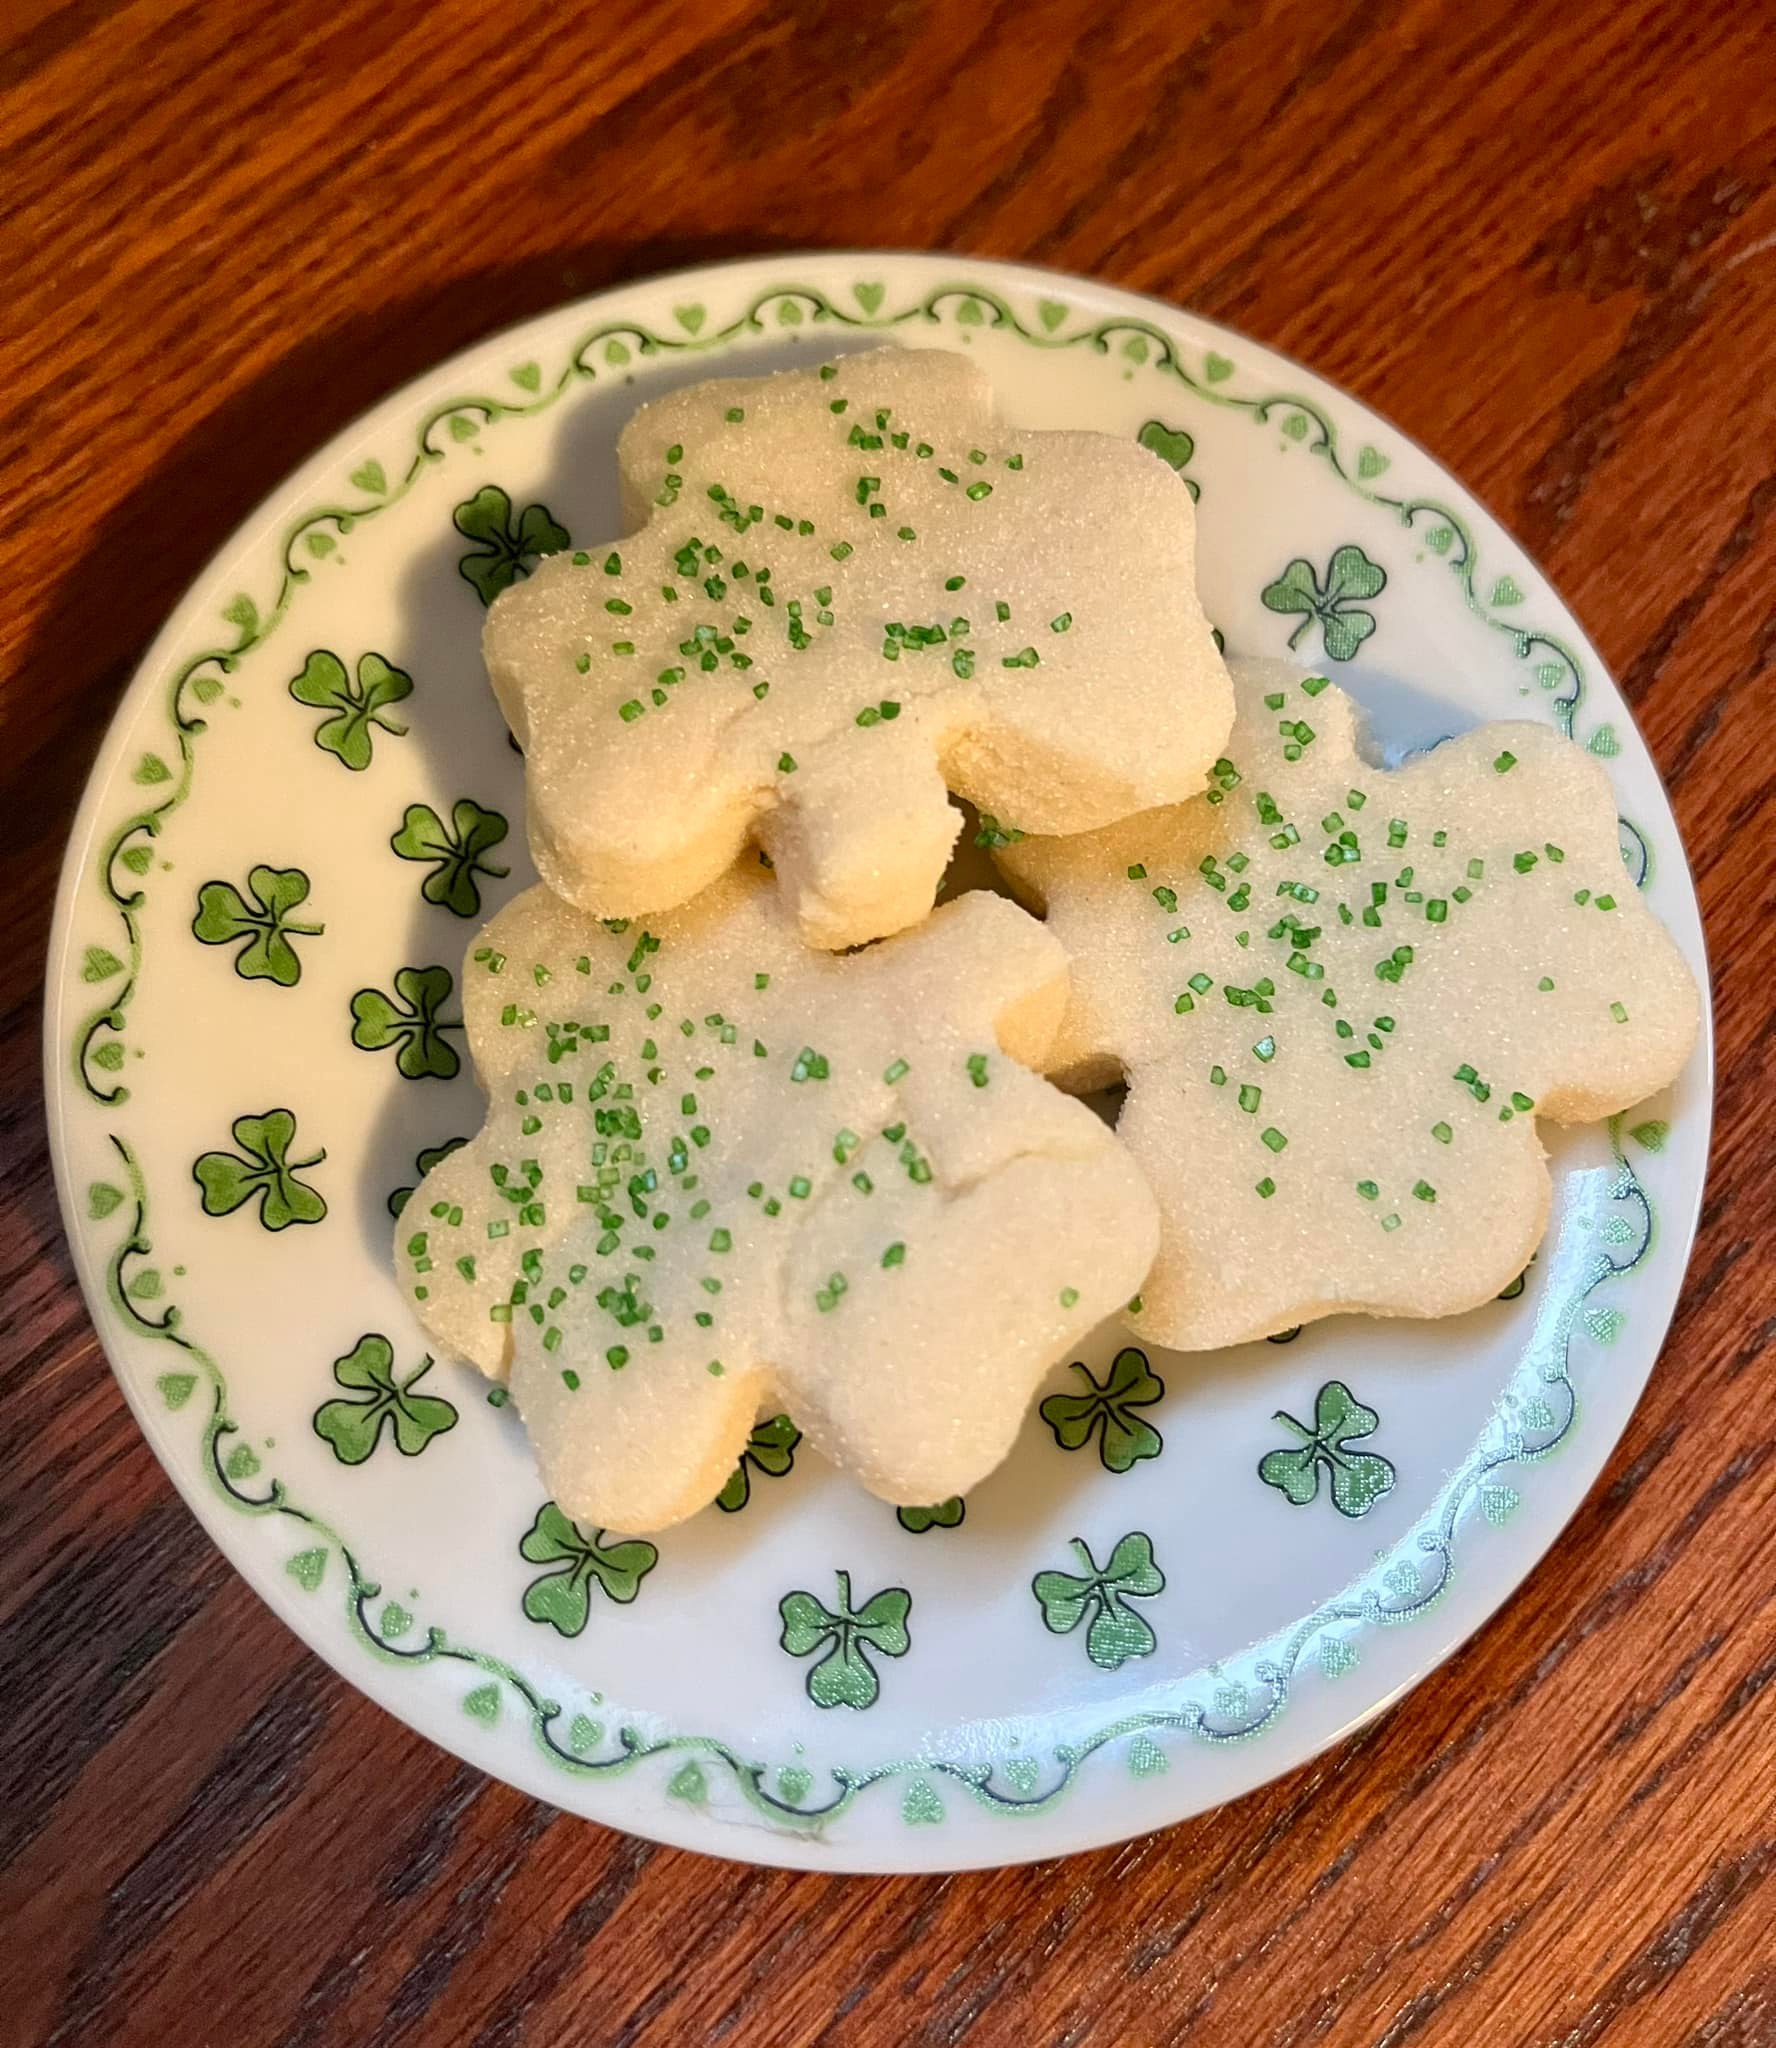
(305, 804)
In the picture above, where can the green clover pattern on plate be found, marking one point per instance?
(1338, 604)
(427, 1157)
(508, 548)
(562, 1598)
(1359, 1478)
(1172, 445)
(230, 1180)
(225, 917)
(1124, 1438)
(844, 1675)
(357, 709)
(352, 1423)
(947, 1514)
(1115, 1632)
(771, 1450)
(458, 848)
(412, 1025)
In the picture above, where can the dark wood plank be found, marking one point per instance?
(1544, 242)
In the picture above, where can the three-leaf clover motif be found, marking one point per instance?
(508, 548)
(1115, 1632)
(457, 848)
(562, 1598)
(1107, 1412)
(844, 1675)
(771, 1449)
(947, 1514)
(357, 707)
(1350, 578)
(353, 1422)
(424, 1160)
(412, 1024)
(1173, 445)
(1359, 1478)
(225, 916)
(229, 1179)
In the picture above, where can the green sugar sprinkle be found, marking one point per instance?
(1422, 1191)
(1390, 1223)
(1273, 1138)
(1069, 1297)
(896, 1070)
(1368, 1190)
(734, 415)
(1618, 1012)
(977, 1068)
(786, 764)
(1218, 1075)
(1442, 1133)
(1505, 763)
(1545, 985)
(1311, 686)
(1265, 1049)
(895, 1255)
(1265, 1187)
(1249, 1099)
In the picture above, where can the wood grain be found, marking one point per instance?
(1544, 241)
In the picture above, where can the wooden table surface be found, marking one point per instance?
(1546, 249)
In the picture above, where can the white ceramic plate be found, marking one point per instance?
(664, 1702)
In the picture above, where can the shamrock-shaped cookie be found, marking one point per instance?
(846, 591)
(721, 1174)
(1342, 998)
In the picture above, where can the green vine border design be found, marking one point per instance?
(199, 680)
(200, 677)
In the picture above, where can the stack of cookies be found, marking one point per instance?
(767, 1126)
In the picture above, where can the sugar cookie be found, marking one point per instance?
(721, 1174)
(846, 590)
(1342, 997)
